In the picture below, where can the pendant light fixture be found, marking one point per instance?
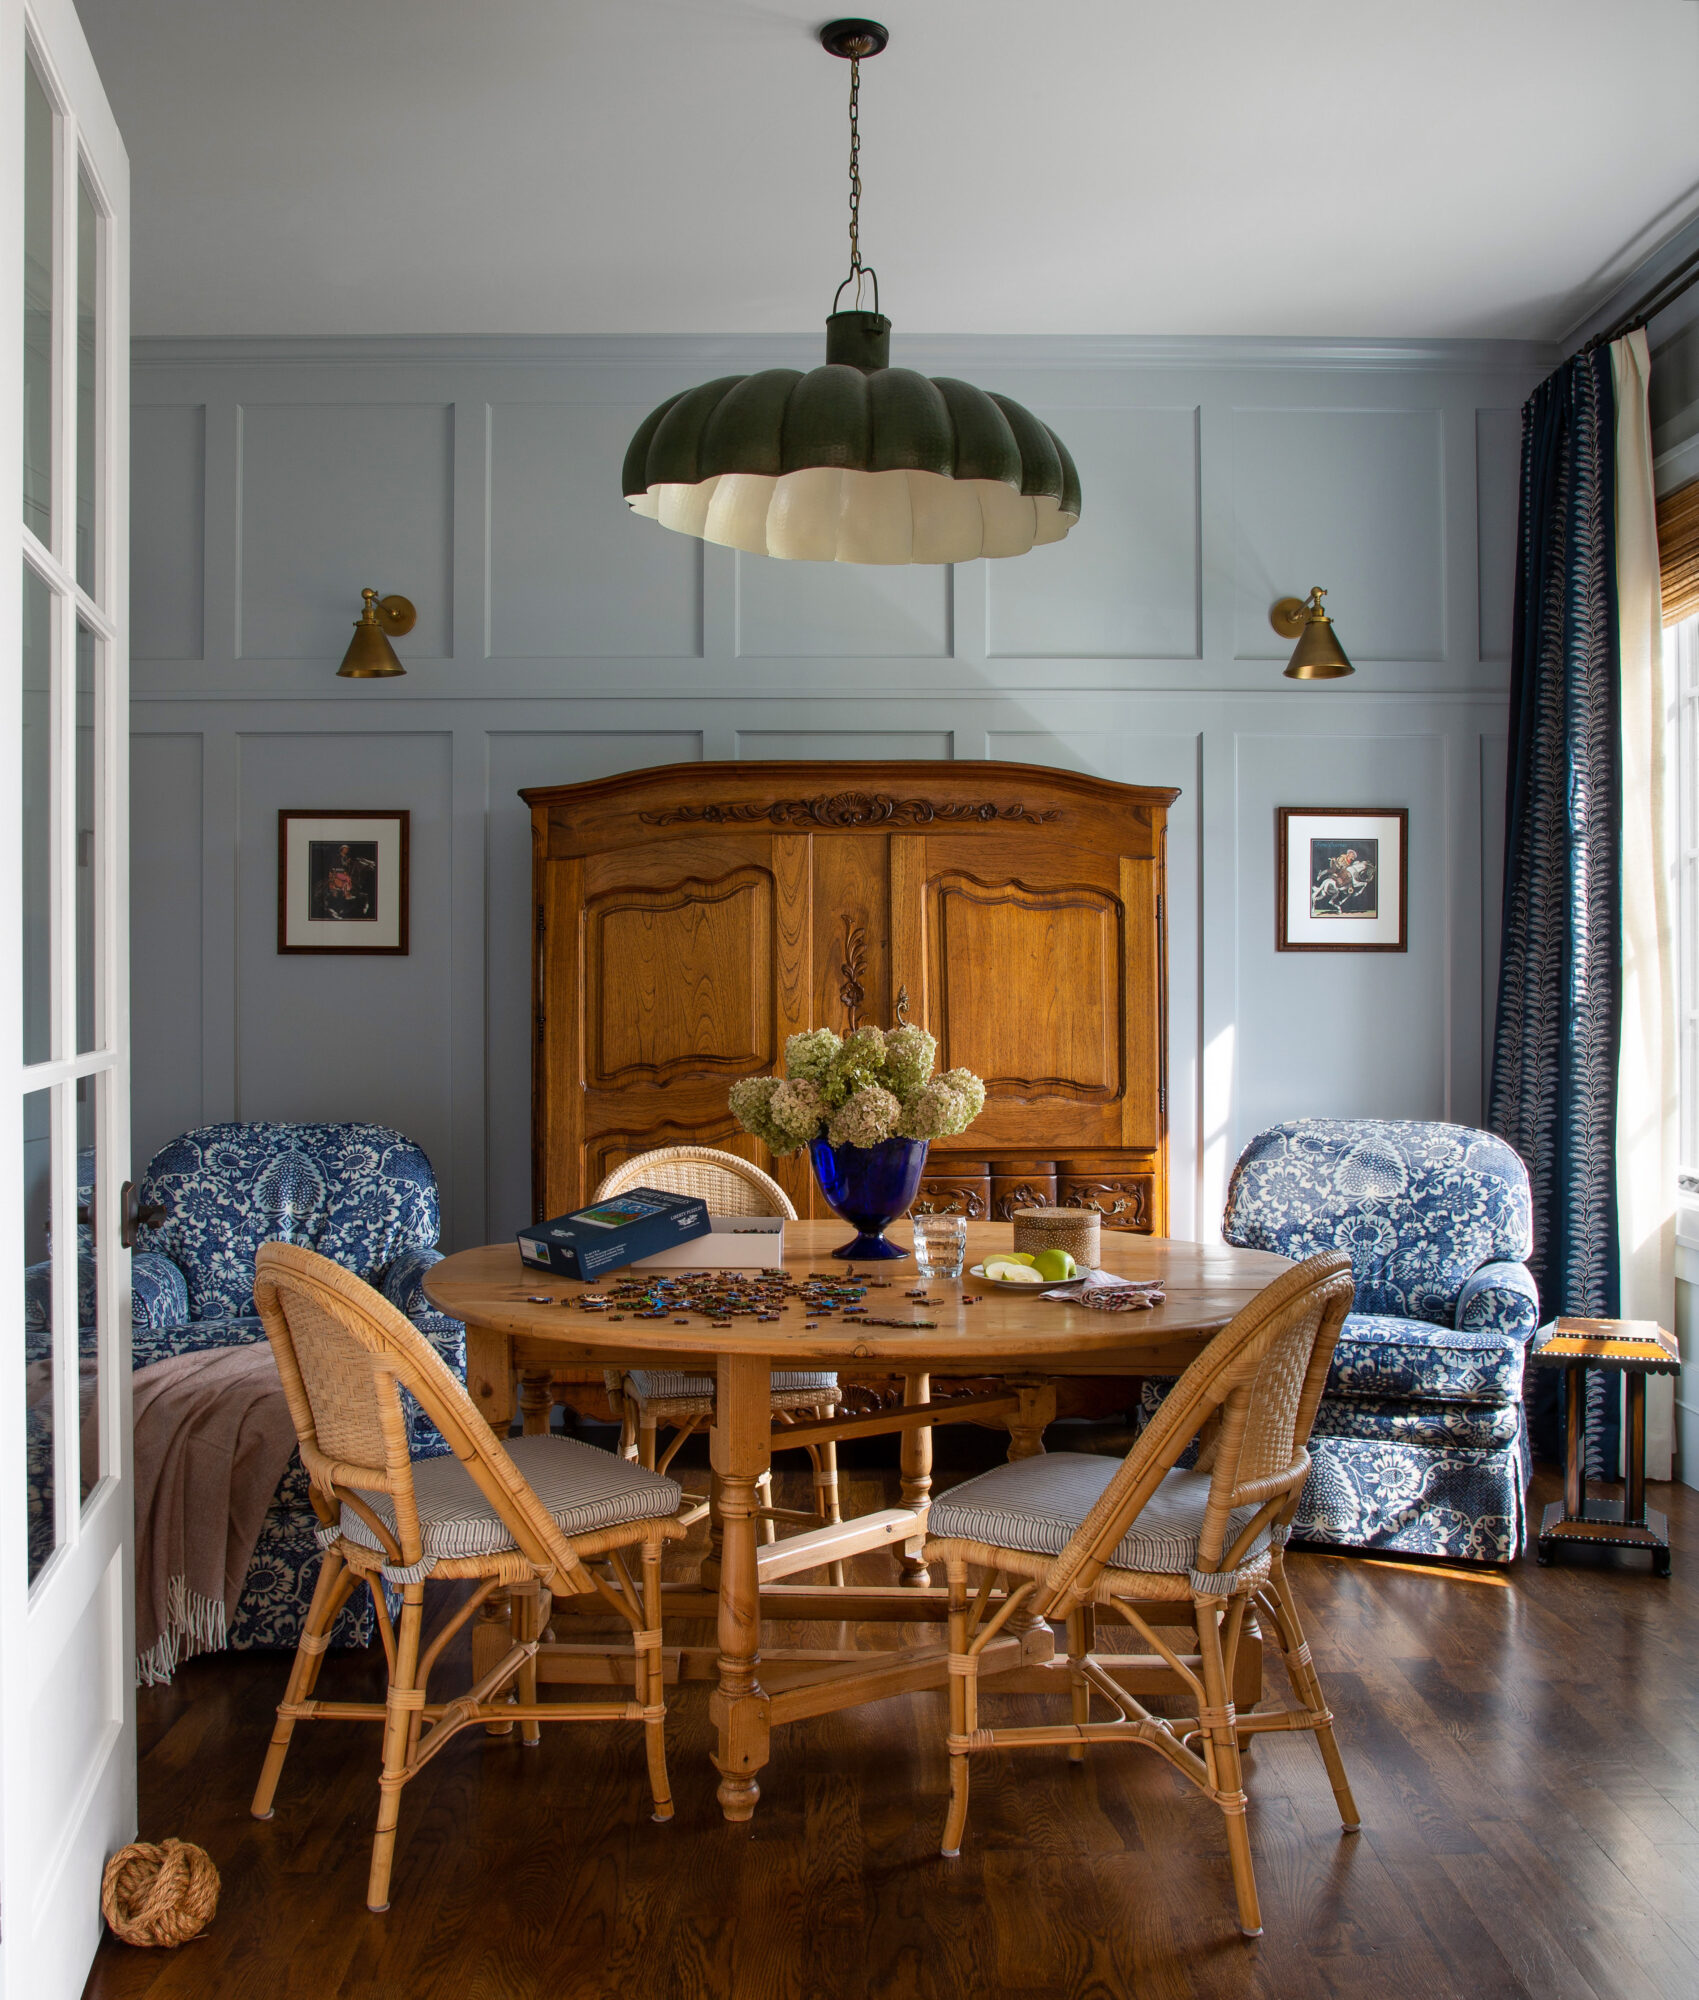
(857, 461)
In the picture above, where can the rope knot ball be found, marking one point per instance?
(159, 1895)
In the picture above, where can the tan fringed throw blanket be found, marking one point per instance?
(212, 1438)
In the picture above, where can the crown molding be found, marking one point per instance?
(931, 352)
(1646, 274)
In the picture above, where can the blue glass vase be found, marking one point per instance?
(869, 1186)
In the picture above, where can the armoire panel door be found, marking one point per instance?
(1038, 970)
(668, 972)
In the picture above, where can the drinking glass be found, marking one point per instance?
(940, 1245)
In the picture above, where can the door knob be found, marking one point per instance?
(133, 1216)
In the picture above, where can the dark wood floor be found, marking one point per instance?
(1524, 1745)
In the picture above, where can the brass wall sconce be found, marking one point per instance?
(370, 656)
(1318, 655)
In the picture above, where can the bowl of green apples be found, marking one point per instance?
(1029, 1270)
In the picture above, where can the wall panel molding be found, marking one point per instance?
(536, 550)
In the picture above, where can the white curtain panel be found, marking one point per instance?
(1648, 1091)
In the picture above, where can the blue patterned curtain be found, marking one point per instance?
(1555, 1053)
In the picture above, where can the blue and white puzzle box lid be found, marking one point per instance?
(613, 1232)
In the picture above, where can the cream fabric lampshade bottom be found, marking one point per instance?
(826, 514)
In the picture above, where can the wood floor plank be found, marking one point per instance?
(1524, 1746)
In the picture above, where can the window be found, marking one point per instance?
(1681, 653)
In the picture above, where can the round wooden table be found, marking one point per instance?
(522, 1322)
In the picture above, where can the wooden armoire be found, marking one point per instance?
(689, 918)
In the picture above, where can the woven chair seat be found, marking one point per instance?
(1036, 1505)
(582, 1487)
(656, 1387)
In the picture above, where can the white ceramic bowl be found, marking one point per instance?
(977, 1274)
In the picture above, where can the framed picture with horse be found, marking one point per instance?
(1343, 878)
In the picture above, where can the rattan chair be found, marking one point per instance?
(541, 1516)
(650, 1400)
(1069, 1534)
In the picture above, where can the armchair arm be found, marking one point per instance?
(403, 1283)
(1500, 1298)
(159, 1293)
(448, 1337)
(38, 1307)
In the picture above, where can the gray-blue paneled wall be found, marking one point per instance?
(559, 639)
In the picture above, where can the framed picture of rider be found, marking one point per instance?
(342, 882)
(1343, 878)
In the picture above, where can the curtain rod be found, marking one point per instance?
(1665, 292)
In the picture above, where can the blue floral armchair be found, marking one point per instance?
(364, 1195)
(1421, 1440)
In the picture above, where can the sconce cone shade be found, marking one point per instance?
(1318, 655)
(370, 656)
(854, 462)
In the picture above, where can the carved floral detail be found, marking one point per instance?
(848, 809)
(949, 1201)
(1122, 1204)
(854, 967)
(1022, 1196)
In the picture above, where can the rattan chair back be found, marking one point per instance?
(344, 1354)
(729, 1184)
(1263, 1375)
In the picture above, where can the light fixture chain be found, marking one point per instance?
(855, 176)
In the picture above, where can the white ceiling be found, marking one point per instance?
(1345, 167)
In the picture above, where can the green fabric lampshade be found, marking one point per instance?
(853, 462)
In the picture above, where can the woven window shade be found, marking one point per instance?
(1678, 552)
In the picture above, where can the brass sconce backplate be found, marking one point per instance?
(1288, 617)
(396, 615)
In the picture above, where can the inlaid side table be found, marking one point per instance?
(1635, 1348)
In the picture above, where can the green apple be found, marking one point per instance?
(1055, 1266)
(1007, 1272)
(1019, 1257)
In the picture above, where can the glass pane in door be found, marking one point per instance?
(88, 275)
(38, 1325)
(38, 306)
(88, 837)
(90, 1450)
(37, 812)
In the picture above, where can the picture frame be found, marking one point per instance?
(342, 882)
(1342, 878)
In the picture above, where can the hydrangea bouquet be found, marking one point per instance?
(876, 1085)
(866, 1106)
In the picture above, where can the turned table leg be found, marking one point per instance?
(740, 1446)
(1028, 1424)
(536, 1400)
(916, 1478)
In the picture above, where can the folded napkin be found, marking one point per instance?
(1108, 1293)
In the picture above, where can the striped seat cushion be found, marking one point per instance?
(661, 1385)
(1037, 1504)
(583, 1488)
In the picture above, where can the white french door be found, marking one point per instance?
(67, 1703)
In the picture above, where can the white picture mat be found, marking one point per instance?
(1301, 926)
(300, 929)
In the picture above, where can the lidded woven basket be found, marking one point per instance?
(1076, 1230)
